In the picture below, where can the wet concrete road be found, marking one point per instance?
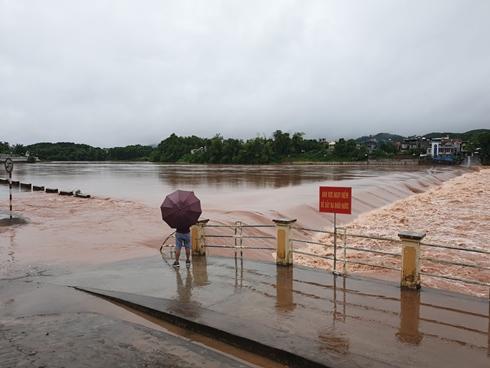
(336, 321)
(43, 325)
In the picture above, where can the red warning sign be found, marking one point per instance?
(336, 200)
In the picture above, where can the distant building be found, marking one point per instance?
(414, 143)
(330, 144)
(434, 148)
(446, 151)
(445, 147)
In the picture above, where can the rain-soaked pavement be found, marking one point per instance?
(303, 313)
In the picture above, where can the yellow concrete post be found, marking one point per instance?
(284, 248)
(197, 238)
(410, 272)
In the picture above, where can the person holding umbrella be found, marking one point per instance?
(180, 210)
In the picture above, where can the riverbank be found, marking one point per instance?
(455, 213)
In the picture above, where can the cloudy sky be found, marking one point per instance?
(116, 72)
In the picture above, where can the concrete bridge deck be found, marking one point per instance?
(300, 315)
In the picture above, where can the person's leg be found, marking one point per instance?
(178, 246)
(188, 247)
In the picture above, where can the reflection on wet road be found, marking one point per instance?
(342, 321)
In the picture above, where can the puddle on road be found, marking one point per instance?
(219, 346)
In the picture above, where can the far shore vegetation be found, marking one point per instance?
(280, 147)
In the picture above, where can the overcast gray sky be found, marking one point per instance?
(115, 72)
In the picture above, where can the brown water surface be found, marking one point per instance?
(123, 220)
(246, 193)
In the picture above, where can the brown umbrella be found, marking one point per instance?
(181, 209)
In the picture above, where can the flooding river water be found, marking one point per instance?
(248, 191)
(124, 219)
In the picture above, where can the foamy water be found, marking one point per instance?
(456, 213)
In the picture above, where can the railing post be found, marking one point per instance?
(197, 238)
(284, 253)
(238, 238)
(410, 271)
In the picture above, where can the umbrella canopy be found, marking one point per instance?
(181, 209)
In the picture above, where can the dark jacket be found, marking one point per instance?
(184, 230)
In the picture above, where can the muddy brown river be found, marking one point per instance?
(249, 192)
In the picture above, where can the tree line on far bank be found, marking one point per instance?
(67, 151)
(280, 147)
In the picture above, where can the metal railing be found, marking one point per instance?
(432, 260)
(233, 231)
(240, 240)
(343, 248)
(343, 235)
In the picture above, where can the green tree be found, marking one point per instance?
(66, 151)
(297, 143)
(349, 150)
(174, 148)
(4, 147)
(282, 144)
(214, 150)
(484, 145)
(388, 148)
(18, 149)
(133, 152)
(345, 149)
(256, 151)
(231, 150)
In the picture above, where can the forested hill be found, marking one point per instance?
(381, 137)
(467, 136)
(279, 147)
(67, 151)
(388, 137)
